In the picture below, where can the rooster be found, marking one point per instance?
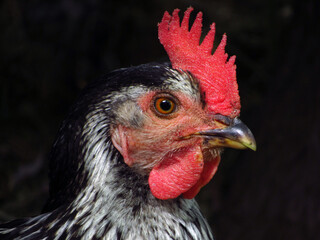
(140, 143)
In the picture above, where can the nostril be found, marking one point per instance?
(223, 119)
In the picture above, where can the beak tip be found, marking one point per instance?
(251, 144)
(253, 147)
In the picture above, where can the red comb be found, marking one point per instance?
(217, 76)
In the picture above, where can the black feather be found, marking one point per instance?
(117, 204)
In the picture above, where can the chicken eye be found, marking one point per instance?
(164, 105)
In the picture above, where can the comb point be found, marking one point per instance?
(220, 51)
(185, 20)
(231, 61)
(207, 43)
(196, 28)
(175, 20)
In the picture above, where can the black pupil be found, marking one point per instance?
(166, 105)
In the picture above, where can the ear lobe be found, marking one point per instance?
(120, 141)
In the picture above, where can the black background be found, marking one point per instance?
(50, 50)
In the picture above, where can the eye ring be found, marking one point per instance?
(164, 106)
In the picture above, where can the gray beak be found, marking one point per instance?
(235, 135)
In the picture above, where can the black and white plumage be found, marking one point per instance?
(140, 143)
(94, 194)
(131, 155)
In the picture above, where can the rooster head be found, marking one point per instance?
(174, 132)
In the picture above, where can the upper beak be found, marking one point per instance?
(234, 135)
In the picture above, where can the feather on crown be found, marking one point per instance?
(216, 75)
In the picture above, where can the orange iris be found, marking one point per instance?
(164, 105)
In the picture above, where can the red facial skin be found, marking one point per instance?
(175, 165)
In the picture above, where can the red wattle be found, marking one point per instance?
(209, 169)
(177, 173)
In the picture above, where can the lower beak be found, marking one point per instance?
(236, 135)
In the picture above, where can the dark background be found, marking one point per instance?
(50, 50)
